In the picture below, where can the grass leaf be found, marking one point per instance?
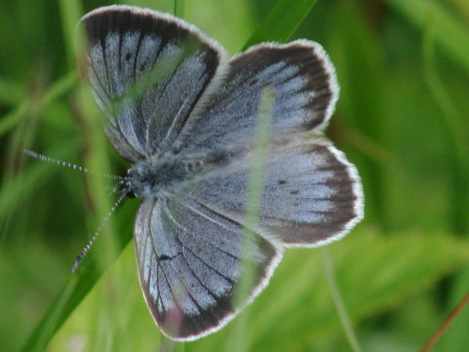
(391, 271)
(283, 20)
(449, 33)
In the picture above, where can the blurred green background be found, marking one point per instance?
(403, 67)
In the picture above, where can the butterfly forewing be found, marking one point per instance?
(303, 83)
(148, 71)
(191, 261)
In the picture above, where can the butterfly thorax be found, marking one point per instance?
(148, 178)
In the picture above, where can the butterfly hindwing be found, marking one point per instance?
(190, 264)
(311, 194)
(148, 71)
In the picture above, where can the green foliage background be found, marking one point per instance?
(403, 67)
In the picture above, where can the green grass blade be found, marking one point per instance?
(282, 21)
(394, 269)
(16, 189)
(70, 14)
(456, 338)
(297, 12)
(57, 90)
(456, 130)
(179, 8)
(449, 33)
(81, 283)
(74, 291)
(11, 92)
(238, 340)
(329, 272)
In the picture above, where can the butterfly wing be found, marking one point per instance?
(311, 194)
(299, 74)
(148, 71)
(189, 260)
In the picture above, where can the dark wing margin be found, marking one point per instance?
(189, 261)
(312, 194)
(304, 84)
(148, 71)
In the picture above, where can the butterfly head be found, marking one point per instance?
(140, 181)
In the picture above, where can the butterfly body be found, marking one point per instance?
(187, 119)
(170, 172)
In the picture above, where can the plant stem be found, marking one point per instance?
(431, 342)
(329, 272)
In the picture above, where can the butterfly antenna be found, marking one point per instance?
(95, 235)
(65, 164)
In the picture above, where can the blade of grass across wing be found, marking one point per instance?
(281, 23)
(238, 340)
(283, 20)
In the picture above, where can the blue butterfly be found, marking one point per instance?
(185, 115)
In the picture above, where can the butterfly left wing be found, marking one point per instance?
(148, 71)
(190, 262)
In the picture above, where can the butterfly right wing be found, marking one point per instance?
(304, 86)
(310, 193)
(148, 71)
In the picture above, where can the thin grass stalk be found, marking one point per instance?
(179, 8)
(329, 273)
(238, 340)
(283, 12)
(56, 91)
(455, 131)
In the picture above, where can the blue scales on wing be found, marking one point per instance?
(299, 75)
(147, 75)
(190, 262)
(310, 194)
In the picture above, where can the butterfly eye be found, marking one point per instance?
(190, 166)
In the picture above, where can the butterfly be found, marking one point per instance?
(186, 116)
